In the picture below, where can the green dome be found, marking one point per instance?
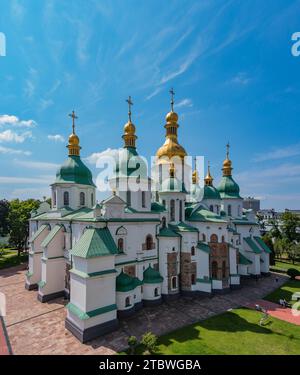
(124, 282)
(228, 188)
(129, 163)
(172, 184)
(74, 171)
(209, 192)
(151, 276)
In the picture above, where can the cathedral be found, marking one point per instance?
(142, 246)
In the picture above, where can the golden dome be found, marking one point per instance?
(227, 164)
(129, 128)
(208, 178)
(73, 140)
(172, 117)
(170, 149)
(195, 178)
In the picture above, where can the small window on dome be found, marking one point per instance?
(66, 198)
(82, 199)
(211, 208)
(92, 199)
(229, 210)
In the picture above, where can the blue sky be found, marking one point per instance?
(229, 62)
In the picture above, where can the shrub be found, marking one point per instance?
(149, 340)
(292, 272)
(132, 343)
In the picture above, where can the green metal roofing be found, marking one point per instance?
(51, 235)
(183, 227)
(74, 171)
(202, 214)
(90, 314)
(228, 188)
(253, 246)
(95, 242)
(203, 246)
(39, 231)
(157, 207)
(151, 276)
(168, 232)
(125, 282)
(243, 260)
(243, 221)
(172, 184)
(209, 192)
(262, 244)
(130, 163)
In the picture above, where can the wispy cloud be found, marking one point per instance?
(56, 138)
(184, 103)
(26, 180)
(279, 153)
(36, 165)
(11, 136)
(241, 78)
(12, 151)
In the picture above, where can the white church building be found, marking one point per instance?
(140, 246)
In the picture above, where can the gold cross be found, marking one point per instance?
(73, 115)
(130, 103)
(172, 98)
(227, 150)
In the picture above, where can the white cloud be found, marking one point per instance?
(279, 153)
(45, 103)
(14, 121)
(11, 136)
(109, 152)
(56, 138)
(154, 93)
(26, 180)
(241, 79)
(36, 165)
(184, 103)
(12, 151)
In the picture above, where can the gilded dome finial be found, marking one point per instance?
(73, 146)
(195, 177)
(227, 168)
(208, 179)
(129, 128)
(172, 99)
(130, 103)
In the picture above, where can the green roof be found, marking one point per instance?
(130, 163)
(124, 282)
(90, 314)
(228, 188)
(151, 276)
(262, 244)
(51, 235)
(95, 242)
(183, 227)
(243, 260)
(157, 207)
(74, 171)
(168, 232)
(203, 246)
(39, 231)
(243, 221)
(209, 192)
(253, 246)
(202, 214)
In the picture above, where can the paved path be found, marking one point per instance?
(276, 311)
(36, 328)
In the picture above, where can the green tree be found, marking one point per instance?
(267, 238)
(149, 340)
(4, 210)
(279, 247)
(275, 231)
(290, 224)
(132, 343)
(19, 214)
(293, 251)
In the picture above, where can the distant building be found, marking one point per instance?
(251, 203)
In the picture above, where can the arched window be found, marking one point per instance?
(173, 248)
(82, 199)
(218, 209)
(223, 269)
(239, 210)
(128, 197)
(156, 294)
(193, 279)
(214, 270)
(164, 203)
(229, 210)
(127, 301)
(223, 239)
(163, 220)
(203, 237)
(143, 199)
(213, 238)
(172, 210)
(180, 210)
(174, 282)
(193, 250)
(66, 198)
(149, 242)
(211, 208)
(92, 199)
(54, 198)
(121, 245)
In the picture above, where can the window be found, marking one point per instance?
(164, 203)
(180, 210)
(193, 279)
(193, 250)
(213, 238)
(163, 222)
(218, 209)
(239, 210)
(224, 269)
(127, 301)
(172, 210)
(92, 199)
(66, 198)
(82, 199)
(223, 239)
(174, 282)
(229, 210)
(173, 248)
(121, 245)
(211, 208)
(128, 197)
(214, 270)
(156, 294)
(203, 237)
(54, 198)
(143, 199)
(149, 242)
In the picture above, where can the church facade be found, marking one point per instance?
(140, 246)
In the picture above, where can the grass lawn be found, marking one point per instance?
(285, 291)
(9, 258)
(284, 265)
(234, 332)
